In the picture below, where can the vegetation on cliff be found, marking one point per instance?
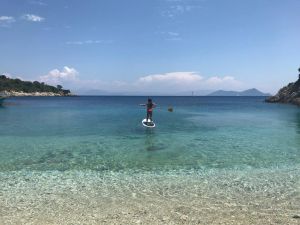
(17, 85)
(288, 94)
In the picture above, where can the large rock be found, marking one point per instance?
(288, 94)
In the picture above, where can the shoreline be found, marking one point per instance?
(34, 94)
(256, 196)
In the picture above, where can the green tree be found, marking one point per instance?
(8, 84)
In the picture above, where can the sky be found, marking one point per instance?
(160, 46)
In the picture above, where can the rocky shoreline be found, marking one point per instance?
(289, 94)
(33, 94)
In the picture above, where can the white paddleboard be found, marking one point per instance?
(148, 123)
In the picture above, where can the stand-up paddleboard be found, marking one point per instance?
(148, 123)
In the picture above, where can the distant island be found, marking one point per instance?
(17, 87)
(249, 92)
(288, 94)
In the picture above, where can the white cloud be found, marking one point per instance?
(175, 34)
(66, 75)
(6, 21)
(88, 42)
(175, 77)
(7, 75)
(175, 8)
(218, 80)
(186, 81)
(180, 8)
(226, 82)
(171, 36)
(33, 18)
(69, 78)
(174, 82)
(37, 3)
(40, 3)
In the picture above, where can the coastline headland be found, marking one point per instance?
(17, 88)
(288, 94)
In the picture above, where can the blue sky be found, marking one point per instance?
(152, 45)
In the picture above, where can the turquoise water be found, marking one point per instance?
(106, 134)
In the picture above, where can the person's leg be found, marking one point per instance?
(150, 116)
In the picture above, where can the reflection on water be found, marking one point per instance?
(149, 140)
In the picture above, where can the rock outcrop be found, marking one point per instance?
(288, 94)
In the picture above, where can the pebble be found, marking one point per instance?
(165, 218)
(184, 217)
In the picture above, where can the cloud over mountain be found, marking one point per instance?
(186, 81)
(166, 82)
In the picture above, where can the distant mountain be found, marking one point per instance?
(249, 92)
(141, 93)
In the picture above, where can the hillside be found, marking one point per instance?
(249, 92)
(17, 87)
(288, 94)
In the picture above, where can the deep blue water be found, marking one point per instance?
(105, 133)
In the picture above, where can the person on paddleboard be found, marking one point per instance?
(150, 106)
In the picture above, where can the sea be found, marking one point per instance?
(106, 133)
(239, 147)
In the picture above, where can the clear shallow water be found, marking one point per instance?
(106, 134)
(211, 161)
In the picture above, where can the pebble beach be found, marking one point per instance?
(178, 197)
